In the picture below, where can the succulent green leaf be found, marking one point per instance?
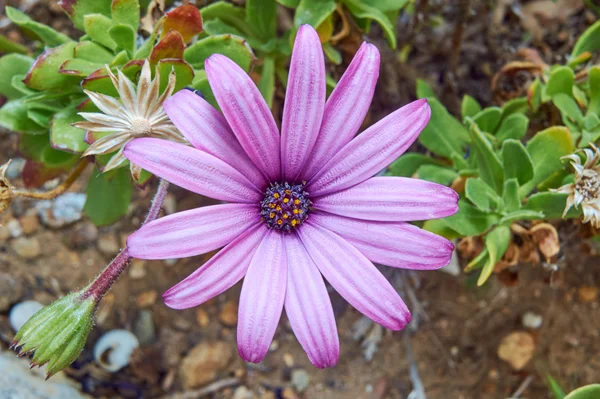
(469, 107)
(510, 196)
(551, 204)
(513, 127)
(77, 67)
(545, 149)
(515, 106)
(12, 65)
(228, 13)
(482, 195)
(108, 196)
(126, 12)
(561, 81)
(313, 12)
(65, 137)
(591, 121)
(566, 104)
(438, 227)
(97, 27)
(496, 243)
(388, 5)
(490, 167)
(437, 174)
(594, 82)
(124, 38)
(7, 46)
(77, 9)
(588, 41)
(517, 162)
(523, 214)
(200, 83)
(470, 220)
(14, 117)
(261, 15)
(444, 135)
(424, 89)
(120, 59)
(234, 47)
(488, 119)
(588, 391)
(53, 158)
(408, 164)
(44, 33)
(93, 52)
(44, 73)
(363, 9)
(266, 84)
(332, 54)
(289, 3)
(183, 71)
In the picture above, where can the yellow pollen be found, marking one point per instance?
(285, 216)
(294, 222)
(297, 201)
(276, 195)
(278, 208)
(286, 200)
(280, 221)
(296, 211)
(272, 215)
(271, 206)
(288, 192)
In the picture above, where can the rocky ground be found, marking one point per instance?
(464, 342)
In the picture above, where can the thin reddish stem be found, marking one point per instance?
(104, 281)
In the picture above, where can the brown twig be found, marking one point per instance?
(345, 26)
(64, 186)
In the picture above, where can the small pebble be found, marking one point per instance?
(21, 312)
(531, 320)
(274, 346)
(170, 204)
(243, 393)
(588, 293)
(14, 228)
(113, 349)
(11, 289)
(229, 314)
(300, 380)
(137, 270)
(146, 299)
(29, 223)
(202, 318)
(288, 359)
(144, 329)
(108, 244)
(27, 248)
(15, 168)
(64, 210)
(83, 234)
(369, 388)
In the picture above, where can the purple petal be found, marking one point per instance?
(219, 274)
(261, 300)
(206, 129)
(304, 102)
(247, 113)
(192, 169)
(371, 151)
(354, 277)
(308, 307)
(395, 244)
(392, 199)
(193, 232)
(346, 108)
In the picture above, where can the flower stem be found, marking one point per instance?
(102, 283)
(64, 186)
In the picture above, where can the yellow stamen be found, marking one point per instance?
(288, 192)
(294, 222)
(276, 195)
(297, 201)
(285, 216)
(280, 222)
(278, 208)
(271, 206)
(272, 215)
(286, 200)
(296, 211)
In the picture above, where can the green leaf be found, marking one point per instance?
(77, 9)
(332, 54)
(97, 27)
(44, 33)
(490, 167)
(443, 135)
(8, 46)
(124, 38)
(555, 387)
(545, 149)
(470, 220)
(588, 41)
(266, 85)
(388, 5)
(184, 73)
(44, 73)
(93, 52)
(561, 81)
(511, 198)
(496, 243)
(200, 83)
(231, 46)
(587, 392)
(551, 204)
(591, 121)
(65, 137)
(515, 106)
(12, 65)
(513, 127)
(488, 119)
(523, 214)
(289, 3)
(126, 12)
(108, 196)
(77, 67)
(594, 82)
(482, 195)
(360, 9)
(437, 226)
(408, 164)
(469, 106)
(14, 117)
(57, 159)
(566, 104)
(262, 16)
(313, 12)
(437, 174)
(517, 162)
(229, 14)
(424, 89)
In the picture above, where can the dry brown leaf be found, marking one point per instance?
(545, 236)
(517, 349)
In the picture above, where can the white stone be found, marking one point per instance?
(120, 344)
(21, 312)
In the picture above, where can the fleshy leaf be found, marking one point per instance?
(108, 196)
(437, 137)
(44, 33)
(588, 41)
(170, 46)
(97, 27)
(124, 37)
(407, 164)
(313, 12)
(233, 47)
(185, 19)
(594, 81)
(77, 9)
(469, 220)
(13, 116)
(561, 81)
(437, 174)
(183, 71)
(586, 392)
(488, 119)
(262, 16)
(496, 243)
(126, 12)
(266, 84)
(12, 65)
(517, 162)
(100, 82)
(490, 167)
(469, 107)
(228, 13)
(510, 196)
(44, 73)
(551, 204)
(513, 126)
(482, 195)
(65, 137)
(77, 67)
(7, 46)
(360, 9)
(93, 52)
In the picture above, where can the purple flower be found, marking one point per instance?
(303, 205)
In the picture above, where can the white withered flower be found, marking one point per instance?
(585, 189)
(138, 113)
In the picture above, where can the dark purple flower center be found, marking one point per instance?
(285, 206)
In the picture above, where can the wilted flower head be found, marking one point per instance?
(138, 113)
(57, 333)
(585, 189)
(303, 204)
(5, 188)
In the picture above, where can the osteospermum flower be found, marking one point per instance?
(303, 205)
(138, 113)
(585, 189)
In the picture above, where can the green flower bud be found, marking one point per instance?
(57, 333)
